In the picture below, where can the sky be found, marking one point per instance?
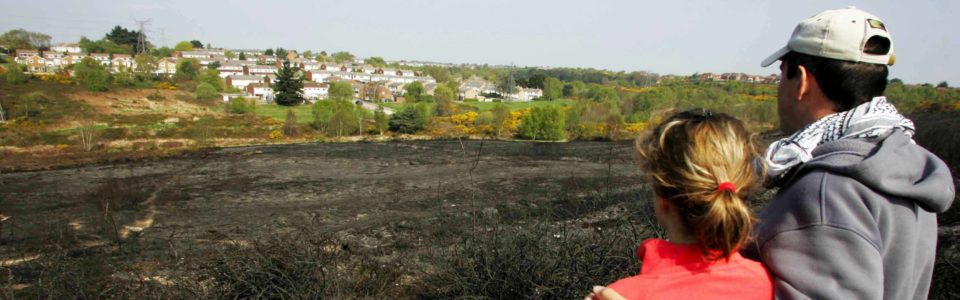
(665, 37)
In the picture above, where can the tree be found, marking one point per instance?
(183, 46)
(91, 75)
(340, 90)
(381, 121)
(943, 84)
(196, 44)
(376, 61)
(601, 93)
(230, 54)
(23, 39)
(290, 127)
(123, 36)
(281, 53)
(408, 120)
(288, 86)
(543, 123)
(211, 77)
(269, 52)
(213, 65)
(146, 65)
(501, 115)
(162, 52)
(206, 91)
(187, 69)
(552, 88)
(413, 91)
(242, 105)
(336, 116)
(444, 96)
(342, 57)
(103, 46)
(242, 56)
(13, 74)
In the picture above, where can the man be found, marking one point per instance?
(855, 216)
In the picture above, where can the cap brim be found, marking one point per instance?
(775, 57)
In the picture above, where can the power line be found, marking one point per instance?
(141, 39)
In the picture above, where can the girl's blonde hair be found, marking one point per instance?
(688, 157)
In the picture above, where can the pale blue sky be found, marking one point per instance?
(666, 37)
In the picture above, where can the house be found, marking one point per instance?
(262, 91)
(376, 92)
(242, 81)
(25, 53)
(230, 96)
(429, 88)
(259, 70)
(318, 75)
(166, 66)
(315, 91)
(122, 62)
(67, 48)
(102, 58)
(266, 59)
(527, 94)
(233, 67)
(35, 64)
(308, 65)
(291, 54)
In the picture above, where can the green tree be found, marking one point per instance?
(376, 61)
(183, 46)
(281, 53)
(574, 89)
(13, 74)
(230, 54)
(206, 91)
(381, 121)
(543, 123)
(501, 115)
(213, 65)
(340, 90)
(211, 77)
(126, 37)
(413, 91)
(943, 84)
(242, 105)
(23, 39)
(196, 44)
(103, 46)
(146, 65)
(342, 57)
(242, 56)
(409, 120)
(91, 75)
(552, 88)
(187, 69)
(162, 52)
(444, 96)
(288, 86)
(290, 126)
(268, 52)
(336, 117)
(601, 93)
(308, 54)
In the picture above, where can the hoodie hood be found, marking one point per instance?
(893, 165)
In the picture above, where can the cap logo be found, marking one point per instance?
(876, 24)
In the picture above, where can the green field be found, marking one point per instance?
(485, 106)
(304, 115)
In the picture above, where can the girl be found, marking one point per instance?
(701, 165)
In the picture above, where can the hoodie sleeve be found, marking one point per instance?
(824, 262)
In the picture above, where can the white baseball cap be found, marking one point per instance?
(838, 34)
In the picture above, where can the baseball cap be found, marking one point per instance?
(839, 34)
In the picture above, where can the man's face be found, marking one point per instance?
(787, 101)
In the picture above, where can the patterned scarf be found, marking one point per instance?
(877, 118)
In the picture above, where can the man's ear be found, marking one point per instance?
(806, 80)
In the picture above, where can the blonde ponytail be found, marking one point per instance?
(703, 163)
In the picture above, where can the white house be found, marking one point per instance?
(102, 58)
(122, 61)
(233, 67)
(315, 91)
(262, 91)
(259, 70)
(166, 66)
(242, 81)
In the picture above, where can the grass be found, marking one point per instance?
(485, 106)
(278, 112)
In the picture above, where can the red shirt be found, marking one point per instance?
(675, 271)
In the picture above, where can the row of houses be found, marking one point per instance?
(772, 79)
(477, 88)
(57, 61)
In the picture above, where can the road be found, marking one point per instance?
(373, 106)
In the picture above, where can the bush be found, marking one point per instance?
(543, 123)
(290, 127)
(91, 75)
(409, 120)
(206, 91)
(242, 105)
(14, 74)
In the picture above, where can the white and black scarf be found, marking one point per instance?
(877, 118)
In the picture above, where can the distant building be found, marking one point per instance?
(67, 48)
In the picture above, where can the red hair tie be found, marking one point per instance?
(727, 186)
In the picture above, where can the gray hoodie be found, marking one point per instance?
(858, 221)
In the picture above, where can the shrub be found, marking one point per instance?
(543, 123)
(290, 127)
(14, 74)
(206, 91)
(91, 75)
(409, 120)
(242, 105)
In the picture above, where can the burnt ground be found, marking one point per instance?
(143, 222)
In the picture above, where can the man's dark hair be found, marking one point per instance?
(847, 84)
